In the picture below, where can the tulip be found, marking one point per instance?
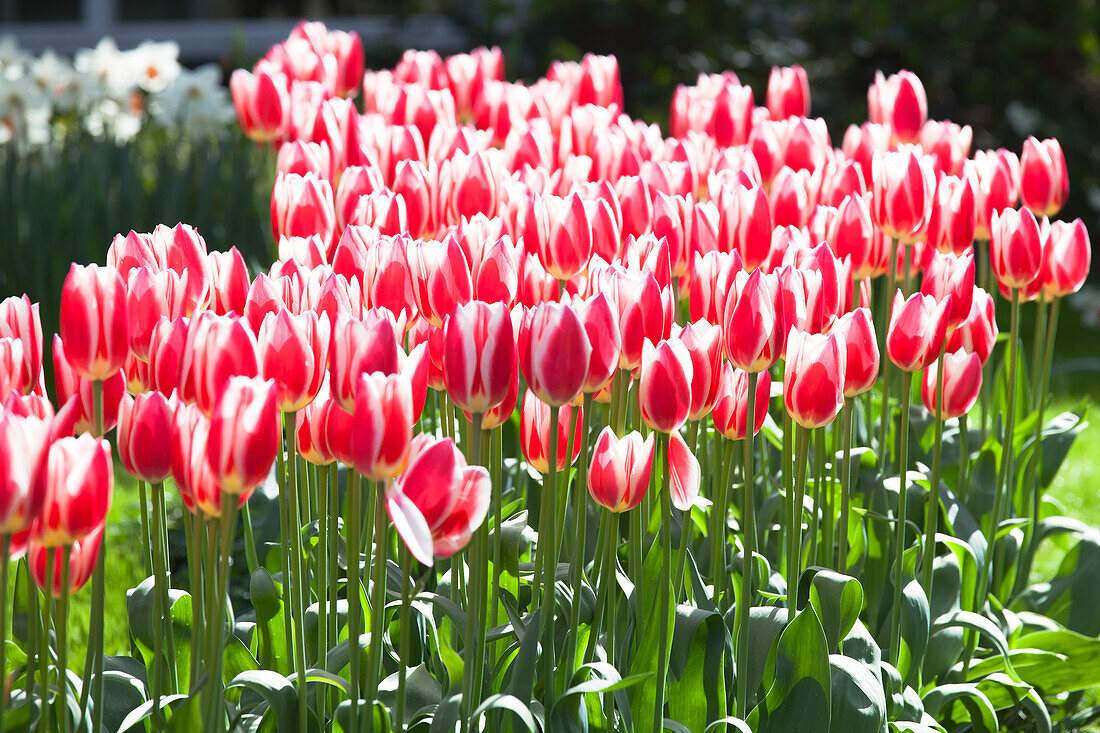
(851, 234)
(952, 219)
(302, 206)
(568, 243)
(535, 433)
(218, 348)
(978, 333)
(145, 436)
(664, 394)
(83, 555)
(94, 321)
(947, 275)
(261, 102)
(598, 317)
(750, 323)
(1066, 260)
(24, 445)
(995, 175)
(861, 351)
(704, 346)
(903, 191)
(79, 479)
(618, 477)
(554, 352)
(814, 378)
(151, 296)
(962, 379)
(381, 429)
(1044, 183)
(898, 101)
(244, 434)
(293, 353)
(71, 385)
(495, 273)
(361, 347)
(19, 319)
(11, 366)
(788, 92)
(745, 224)
(355, 181)
(917, 329)
(191, 469)
(479, 355)
(167, 344)
(441, 278)
(468, 184)
(229, 282)
(731, 409)
(1015, 247)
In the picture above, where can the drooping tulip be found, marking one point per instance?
(93, 323)
(813, 378)
(917, 329)
(79, 482)
(618, 476)
(731, 409)
(535, 433)
(145, 426)
(962, 379)
(244, 434)
(479, 355)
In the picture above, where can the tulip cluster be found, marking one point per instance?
(470, 252)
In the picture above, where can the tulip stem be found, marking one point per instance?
(719, 528)
(664, 607)
(61, 624)
(845, 486)
(158, 610)
(748, 531)
(378, 598)
(44, 657)
(33, 649)
(496, 451)
(299, 584)
(932, 514)
(474, 651)
(93, 658)
(580, 527)
(5, 561)
(323, 578)
(794, 519)
(903, 480)
(147, 547)
(332, 544)
(821, 502)
(403, 649)
(227, 522)
(194, 572)
(289, 616)
(354, 611)
(550, 561)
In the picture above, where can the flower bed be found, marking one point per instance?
(505, 369)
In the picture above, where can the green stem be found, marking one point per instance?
(821, 500)
(899, 560)
(378, 597)
(299, 584)
(845, 487)
(249, 541)
(664, 606)
(406, 602)
(158, 612)
(333, 557)
(475, 629)
(550, 562)
(289, 617)
(218, 625)
(44, 657)
(192, 533)
(61, 624)
(794, 520)
(932, 514)
(496, 448)
(887, 370)
(323, 578)
(580, 531)
(5, 561)
(147, 545)
(94, 657)
(748, 519)
(964, 460)
(354, 611)
(33, 647)
(719, 527)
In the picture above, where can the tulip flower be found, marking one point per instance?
(814, 378)
(1015, 247)
(851, 233)
(11, 366)
(381, 429)
(261, 102)
(479, 355)
(952, 219)
(145, 425)
(535, 433)
(167, 344)
(978, 333)
(664, 393)
(995, 175)
(731, 409)
(94, 321)
(903, 191)
(293, 353)
(704, 345)
(229, 282)
(788, 92)
(302, 206)
(917, 329)
(71, 385)
(151, 296)
(861, 351)
(898, 101)
(244, 434)
(441, 278)
(191, 470)
(962, 379)
(568, 242)
(83, 555)
(24, 446)
(750, 323)
(439, 501)
(361, 347)
(1044, 184)
(554, 353)
(598, 317)
(745, 224)
(79, 478)
(947, 275)
(217, 349)
(19, 319)
(1066, 259)
(618, 477)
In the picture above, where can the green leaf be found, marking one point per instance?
(766, 623)
(421, 691)
(858, 700)
(697, 679)
(979, 709)
(1072, 597)
(837, 598)
(799, 697)
(276, 690)
(510, 704)
(981, 624)
(1072, 661)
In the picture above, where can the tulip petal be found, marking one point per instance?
(684, 473)
(410, 524)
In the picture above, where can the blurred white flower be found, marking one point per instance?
(10, 53)
(53, 75)
(196, 102)
(155, 65)
(103, 72)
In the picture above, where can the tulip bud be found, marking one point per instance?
(917, 329)
(244, 434)
(381, 429)
(731, 410)
(293, 353)
(1015, 247)
(1066, 260)
(962, 379)
(79, 480)
(814, 377)
(145, 436)
(1044, 183)
(534, 438)
(664, 393)
(618, 477)
(554, 352)
(94, 322)
(479, 355)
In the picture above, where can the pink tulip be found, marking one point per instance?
(978, 333)
(948, 144)
(947, 275)
(24, 446)
(145, 436)
(1015, 247)
(554, 352)
(151, 296)
(917, 329)
(79, 481)
(191, 470)
(814, 377)
(731, 410)
(704, 345)
(788, 92)
(861, 359)
(618, 477)
(995, 175)
(229, 282)
(851, 234)
(898, 101)
(903, 192)
(293, 353)
(1066, 259)
(479, 355)
(94, 321)
(244, 434)
(217, 349)
(381, 429)
(358, 348)
(745, 224)
(19, 319)
(534, 433)
(750, 323)
(962, 379)
(83, 555)
(664, 393)
(441, 278)
(167, 344)
(262, 103)
(1044, 184)
(302, 206)
(952, 218)
(598, 317)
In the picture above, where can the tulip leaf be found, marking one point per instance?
(799, 696)
(697, 680)
(421, 691)
(276, 690)
(979, 710)
(858, 700)
(837, 598)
